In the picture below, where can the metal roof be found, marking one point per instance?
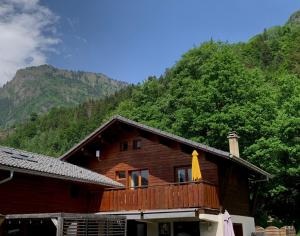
(179, 139)
(36, 164)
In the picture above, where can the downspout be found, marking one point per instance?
(256, 188)
(11, 175)
(9, 178)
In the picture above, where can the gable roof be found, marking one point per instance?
(36, 164)
(170, 136)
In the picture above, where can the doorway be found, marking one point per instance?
(135, 228)
(190, 228)
(238, 229)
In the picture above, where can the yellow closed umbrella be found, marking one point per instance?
(196, 172)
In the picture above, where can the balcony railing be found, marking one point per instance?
(169, 196)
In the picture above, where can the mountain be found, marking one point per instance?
(251, 87)
(294, 18)
(38, 89)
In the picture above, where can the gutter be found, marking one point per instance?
(56, 176)
(250, 166)
(260, 180)
(8, 178)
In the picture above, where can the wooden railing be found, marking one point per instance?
(170, 196)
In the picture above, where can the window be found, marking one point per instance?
(144, 177)
(139, 178)
(134, 179)
(183, 174)
(121, 174)
(137, 144)
(124, 146)
(164, 229)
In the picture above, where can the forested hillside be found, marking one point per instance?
(253, 88)
(38, 89)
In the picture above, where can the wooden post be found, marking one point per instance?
(59, 227)
(254, 199)
(2, 219)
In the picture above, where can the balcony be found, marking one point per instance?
(170, 196)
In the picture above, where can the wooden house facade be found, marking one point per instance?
(126, 170)
(159, 196)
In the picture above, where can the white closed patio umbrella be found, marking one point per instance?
(228, 226)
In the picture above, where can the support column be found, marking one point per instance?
(59, 226)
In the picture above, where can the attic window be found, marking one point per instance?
(124, 146)
(137, 144)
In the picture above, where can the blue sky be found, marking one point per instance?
(133, 39)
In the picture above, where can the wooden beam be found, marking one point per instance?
(60, 226)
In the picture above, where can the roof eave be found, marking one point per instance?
(146, 128)
(196, 145)
(56, 176)
(250, 166)
(87, 138)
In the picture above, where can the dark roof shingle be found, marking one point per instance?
(36, 164)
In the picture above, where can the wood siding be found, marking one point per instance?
(161, 160)
(172, 196)
(236, 199)
(34, 194)
(160, 156)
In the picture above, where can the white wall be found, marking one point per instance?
(152, 229)
(246, 221)
(213, 225)
(208, 228)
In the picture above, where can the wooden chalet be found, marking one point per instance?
(159, 195)
(125, 169)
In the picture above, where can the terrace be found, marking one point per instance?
(200, 194)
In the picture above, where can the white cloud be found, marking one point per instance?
(27, 33)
